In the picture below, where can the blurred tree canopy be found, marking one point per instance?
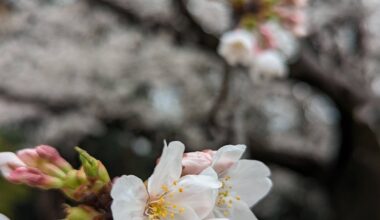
(117, 77)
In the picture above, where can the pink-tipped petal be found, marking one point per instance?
(29, 156)
(33, 177)
(52, 155)
(195, 162)
(8, 162)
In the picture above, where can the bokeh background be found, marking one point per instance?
(117, 77)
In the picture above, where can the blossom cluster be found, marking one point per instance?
(206, 185)
(265, 36)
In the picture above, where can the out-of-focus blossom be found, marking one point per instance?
(237, 47)
(166, 195)
(282, 40)
(268, 40)
(244, 183)
(268, 64)
(214, 16)
(293, 16)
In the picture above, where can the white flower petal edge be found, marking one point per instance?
(3, 217)
(216, 219)
(250, 180)
(129, 198)
(239, 211)
(168, 169)
(191, 197)
(7, 161)
(227, 156)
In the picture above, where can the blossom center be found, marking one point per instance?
(162, 207)
(225, 198)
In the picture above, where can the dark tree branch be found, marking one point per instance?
(222, 96)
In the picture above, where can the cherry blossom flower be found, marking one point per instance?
(166, 194)
(237, 47)
(244, 182)
(293, 16)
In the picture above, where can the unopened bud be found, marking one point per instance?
(29, 157)
(52, 155)
(34, 177)
(45, 162)
(75, 178)
(195, 162)
(93, 167)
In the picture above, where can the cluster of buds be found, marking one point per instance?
(40, 167)
(265, 35)
(44, 168)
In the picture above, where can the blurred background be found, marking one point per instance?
(117, 77)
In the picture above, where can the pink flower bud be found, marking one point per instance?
(268, 39)
(196, 162)
(44, 159)
(29, 157)
(33, 177)
(8, 162)
(51, 154)
(294, 19)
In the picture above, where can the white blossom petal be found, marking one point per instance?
(8, 159)
(238, 211)
(188, 214)
(217, 219)
(3, 217)
(249, 180)
(129, 198)
(226, 156)
(168, 169)
(198, 192)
